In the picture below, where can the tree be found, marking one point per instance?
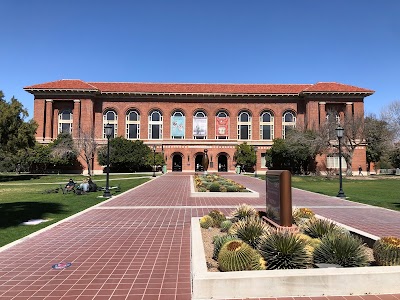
(16, 135)
(245, 156)
(39, 158)
(391, 115)
(394, 157)
(63, 151)
(86, 146)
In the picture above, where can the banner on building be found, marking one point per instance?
(200, 127)
(222, 126)
(178, 126)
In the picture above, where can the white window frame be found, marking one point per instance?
(222, 114)
(244, 123)
(113, 122)
(270, 124)
(181, 114)
(62, 121)
(286, 124)
(200, 114)
(332, 162)
(151, 123)
(129, 122)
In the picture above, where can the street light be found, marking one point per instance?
(108, 130)
(154, 160)
(339, 134)
(255, 167)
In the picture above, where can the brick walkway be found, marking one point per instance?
(137, 245)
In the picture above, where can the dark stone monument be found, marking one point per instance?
(205, 161)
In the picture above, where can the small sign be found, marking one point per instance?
(61, 266)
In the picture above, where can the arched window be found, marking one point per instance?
(178, 125)
(200, 125)
(133, 125)
(267, 126)
(65, 122)
(288, 123)
(155, 125)
(244, 126)
(110, 117)
(222, 125)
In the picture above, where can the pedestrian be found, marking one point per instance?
(360, 171)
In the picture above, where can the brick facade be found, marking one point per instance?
(89, 101)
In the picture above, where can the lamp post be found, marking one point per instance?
(255, 167)
(154, 160)
(108, 129)
(339, 134)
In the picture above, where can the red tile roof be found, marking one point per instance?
(196, 88)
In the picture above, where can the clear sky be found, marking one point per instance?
(355, 42)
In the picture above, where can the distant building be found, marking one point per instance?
(183, 119)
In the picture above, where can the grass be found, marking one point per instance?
(24, 197)
(376, 191)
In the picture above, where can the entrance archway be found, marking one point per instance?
(177, 163)
(222, 163)
(198, 166)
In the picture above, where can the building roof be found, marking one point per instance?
(76, 85)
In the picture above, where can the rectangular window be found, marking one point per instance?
(332, 162)
(263, 160)
(243, 132)
(133, 129)
(266, 132)
(155, 132)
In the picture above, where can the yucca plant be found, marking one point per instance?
(341, 249)
(243, 211)
(317, 228)
(387, 251)
(250, 229)
(217, 217)
(311, 243)
(206, 222)
(215, 187)
(220, 240)
(284, 250)
(225, 225)
(236, 255)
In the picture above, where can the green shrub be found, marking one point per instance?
(243, 211)
(236, 255)
(217, 217)
(387, 251)
(219, 241)
(285, 250)
(250, 229)
(206, 222)
(225, 225)
(214, 187)
(231, 188)
(317, 228)
(342, 249)
(202, 189)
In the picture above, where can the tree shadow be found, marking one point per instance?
(13, 214)
(6, 177)
(396, 204)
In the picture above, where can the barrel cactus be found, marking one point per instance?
(219, 241)
(250, 229)
(206, 222)
(341, 249)
(225, 225)
(236, 255)
(243, 211)
(217, 217)
(285, 250)
(387, 251)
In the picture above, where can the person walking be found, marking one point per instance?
(360, 171)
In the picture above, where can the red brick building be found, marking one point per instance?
(182, 120)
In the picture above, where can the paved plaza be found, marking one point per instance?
(137, 245)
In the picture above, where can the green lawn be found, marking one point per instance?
(24, 197)
(377, 191)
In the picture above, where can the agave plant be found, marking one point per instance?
(285, 250)
(317, 228)
(219, 241)
(217, 217)
(387, 251)
(243, 211)
(341, 249)
(250, 229)
(236, 255)
(206, 222)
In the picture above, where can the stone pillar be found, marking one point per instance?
(48, 131)
(76, 123)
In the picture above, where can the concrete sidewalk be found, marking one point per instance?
(137, 245)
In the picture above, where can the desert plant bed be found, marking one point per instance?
(217, 183)
(236, 250)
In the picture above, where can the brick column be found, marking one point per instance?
(39, 116)
(48, 132)
(322, 112)
(76, 119)
(349, 108)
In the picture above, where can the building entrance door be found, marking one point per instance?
(222, 163)
(177, 163)
(198, 167)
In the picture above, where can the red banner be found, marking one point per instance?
(221, 126)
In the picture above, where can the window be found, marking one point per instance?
(65, 122)
(110, 117)
(332, 162)
(178, 125)
(244, 126)
(222, 125)
(200, 125)
(332, 120)
(288, 123)
(132, 125)
(267, 126)
(155, 125)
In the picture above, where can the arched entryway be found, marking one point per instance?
(198, 163)
(177, 162)
(222, 163)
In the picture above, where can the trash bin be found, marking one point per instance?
(164, 169)
(237, 169)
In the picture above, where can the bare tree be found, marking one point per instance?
(391, 115)
(86, 146)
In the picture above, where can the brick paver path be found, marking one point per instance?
(137, 245)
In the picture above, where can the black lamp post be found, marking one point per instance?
(255, 167)
(154, 160)
(108, 129)
(339, 134)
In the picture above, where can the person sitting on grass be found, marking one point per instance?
(70, 185)
(92, 185)
(84, 186)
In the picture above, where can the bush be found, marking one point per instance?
(387, 251)
(285, 250)
(214, 187)
(341, 249)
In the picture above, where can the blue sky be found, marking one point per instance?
(210, 41)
